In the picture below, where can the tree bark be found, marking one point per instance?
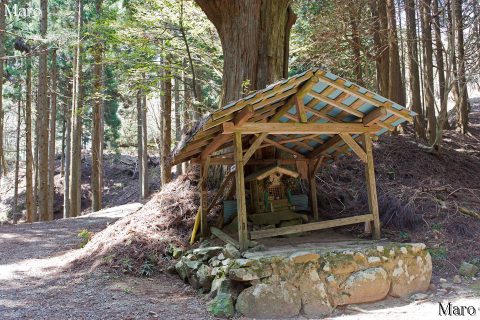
(139, 144)
(3, 4)
(443, 117)
(395, 89)
(384, 59)
(29, 200)
(43, 111)
(68, 150)
(76, 131)
(178, 113)
(52, 128)
(17, 149)
(145, 180)
(356, 44)
(425, 7)
(413, 76)
(462, 111)
(166, 126)
(254, 35)
(97, 119)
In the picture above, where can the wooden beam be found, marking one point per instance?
(374, 116)
(336, 104)
(240, 187)
(324, 147)
(282, 147)
(302, 115)
(239, 119)
(254, 146)
(298, 128)
(313, 186)
(354, 146)
(371, 186)
(321, 114)
(288, 140)
(224, 237)
(268, 233)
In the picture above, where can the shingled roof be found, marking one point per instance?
(325, 99)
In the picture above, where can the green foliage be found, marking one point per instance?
(85, 236)
(127, 265)
(147, 268)
(439, 253)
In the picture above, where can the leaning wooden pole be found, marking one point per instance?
(371, 187)
(240, 188)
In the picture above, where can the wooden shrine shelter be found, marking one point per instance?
(308, 119)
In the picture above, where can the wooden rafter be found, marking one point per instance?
(335, 103)
(298, 128)
(302, 115)
(354, 146)
(282, 147)
(374, 116)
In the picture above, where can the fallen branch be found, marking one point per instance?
(469, 212)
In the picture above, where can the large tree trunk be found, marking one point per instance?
(395, 89)
(97, 120)
(453, 53)
(254, 36)
(413, 77)
(166, 169)
(462, 111)
(3, 4)
(29, 200)
(76, 133)
(42, 109)
(428, 69)
(356, 44)
(52, 127)
(384, 51)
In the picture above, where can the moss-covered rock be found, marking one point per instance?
(221, 305)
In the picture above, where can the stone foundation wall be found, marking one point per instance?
(286, 283)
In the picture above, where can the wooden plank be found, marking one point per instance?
(374, 116)
(354, 146)
(240, 187)
(313, 186)
(254, 146)
(298, 128)
(268, 233)
(371, 186)
(288, 140)
(336, 104)
(195, 227)
(224, 237)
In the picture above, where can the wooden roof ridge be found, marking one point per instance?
(269, 170)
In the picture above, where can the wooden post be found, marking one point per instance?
(204, 197)
(313, 193)
(240, 188)
(371, 188)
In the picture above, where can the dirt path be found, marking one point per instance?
(35, 282)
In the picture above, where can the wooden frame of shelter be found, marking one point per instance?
(315, 117)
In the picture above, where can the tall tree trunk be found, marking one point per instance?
(443, 117)
(395, 90)
(166, 126)
(356, 44)
(453, 53)
(185, 108)
(29, 200)
(43, 111)
(253, 36)
(77, 108)
(3, 4)
(178, 114)
(52, 127)
(384, 66)
(425, 7)
(139, 144)
(462, 111)
(68, 149)
(17, 149)
(97, 119)
(145, 181)
(413, 76)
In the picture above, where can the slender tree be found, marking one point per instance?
(413, 76)
(43, 115)
(139, 143)
(462, 106)
(97, 115)
(145, 190)
(426, 15)
(178, 113)
(68, 149)
(3, 4)
(52, 137)
(77, 110)
(17, 148)
(166, 169)
(395, 89)
(440, 63)
(29, 199)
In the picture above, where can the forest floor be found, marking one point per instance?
(37, 281)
